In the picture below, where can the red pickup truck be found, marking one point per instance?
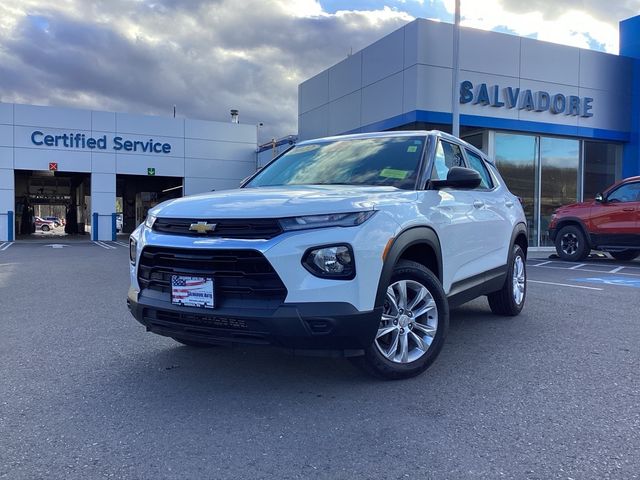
(610, 223)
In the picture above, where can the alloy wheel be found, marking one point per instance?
(519, 279)
(409, 322)
(569, 243)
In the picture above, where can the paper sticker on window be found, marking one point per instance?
(305, 148)
(393, 173)
(412, 148)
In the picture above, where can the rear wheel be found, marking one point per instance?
(192, 343)
(510, 299)
(413, 326)
(44, 228)
(571, 244)
(625, 255)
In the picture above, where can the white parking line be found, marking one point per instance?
(4, 246)
(588, 270)
(575, 267)
(564, 285)
(104, 245)
(122, 244)
(616, 270)
(540, 264)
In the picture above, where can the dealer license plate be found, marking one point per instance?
(192, 291)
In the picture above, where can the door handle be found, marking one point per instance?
(508, 203)
(478, 204)
(628, 209)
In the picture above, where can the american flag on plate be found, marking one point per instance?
(192, 291)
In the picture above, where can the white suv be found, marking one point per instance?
(354, 245)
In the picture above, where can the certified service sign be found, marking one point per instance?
(79, 141)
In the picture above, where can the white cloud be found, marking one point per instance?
(571, 27)
(204, 56)
(207, 56)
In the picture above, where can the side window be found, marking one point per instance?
(447, 155)
(478, 165)
(626, 193)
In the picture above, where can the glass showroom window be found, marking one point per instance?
(602, 167)
(559, 162)
(516, 158)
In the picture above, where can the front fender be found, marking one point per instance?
(404, 240)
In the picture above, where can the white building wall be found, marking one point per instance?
(6, 169)
(411, 69)
(208, 155)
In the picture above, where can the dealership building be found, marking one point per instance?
(562, 123)
(105, 168)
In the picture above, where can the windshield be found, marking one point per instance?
(390, 161)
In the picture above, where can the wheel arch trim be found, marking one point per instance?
(520, 228)
(401, 243)
(565, 221)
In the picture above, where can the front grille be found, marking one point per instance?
(205, 327)
(259, 228)
(242, 278)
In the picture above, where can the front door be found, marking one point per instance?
(616, 220)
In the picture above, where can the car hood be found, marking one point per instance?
(574, 207)
(284, 201)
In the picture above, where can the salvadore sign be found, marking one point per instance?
(82, 141)
(525, 99)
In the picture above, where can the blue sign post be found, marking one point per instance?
(94, 227)
(10, 225)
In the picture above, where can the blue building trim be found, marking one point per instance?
(630, 47)
(496, 123)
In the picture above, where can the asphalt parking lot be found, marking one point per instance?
(86, 393)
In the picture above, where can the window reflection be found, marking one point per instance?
(516, 161)
(601, 166)
(523, 159)
(559, 160)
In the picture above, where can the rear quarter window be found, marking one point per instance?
(476, 163)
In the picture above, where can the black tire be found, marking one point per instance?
(375, 363)
(571, 244)
(192, 343)
(625, 255)
(45, 228)
(505, 301)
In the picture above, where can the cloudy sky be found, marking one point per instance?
(207, 56)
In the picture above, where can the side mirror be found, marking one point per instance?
(459, 177)
(599, 197)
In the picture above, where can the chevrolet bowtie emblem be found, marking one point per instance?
(202, 227)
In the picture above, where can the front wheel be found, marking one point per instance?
(509, 300)
(44, 228)
(571, 244)
(625, 255)
(414, 324)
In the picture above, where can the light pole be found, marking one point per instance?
(258, 126)
(455, 104)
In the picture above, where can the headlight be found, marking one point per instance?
(149, 221)
(133, 247)
(329, 220)
(333, 261)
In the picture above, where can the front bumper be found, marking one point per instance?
(321, 328)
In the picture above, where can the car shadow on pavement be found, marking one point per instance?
(174, 369)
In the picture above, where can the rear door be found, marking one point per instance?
(492, 215)
(616, 220)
